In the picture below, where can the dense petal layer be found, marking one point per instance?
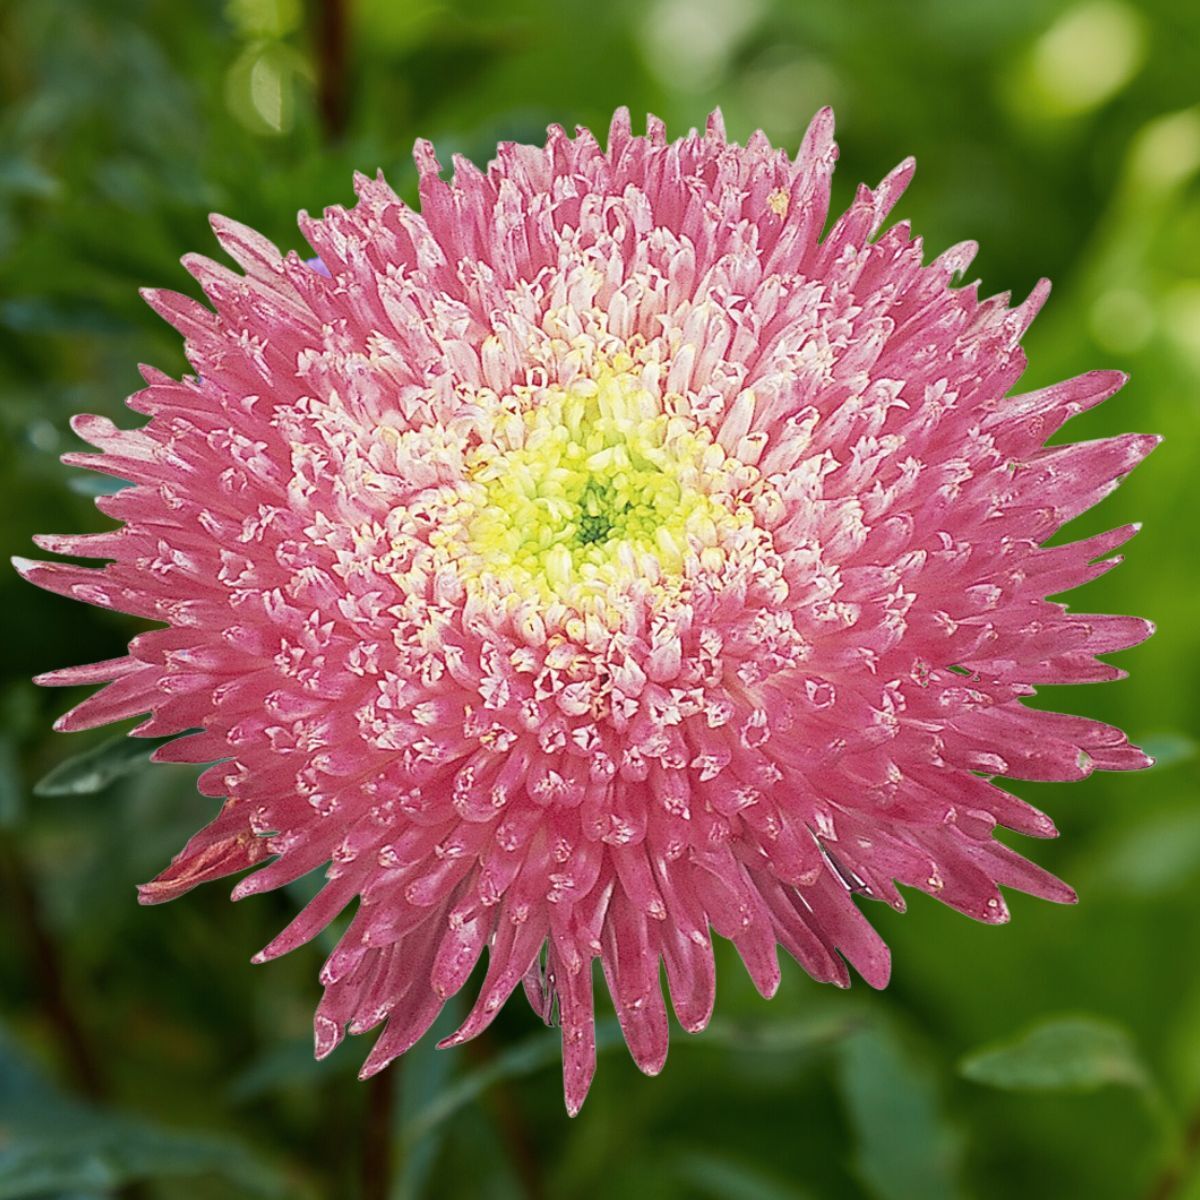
(594, 561)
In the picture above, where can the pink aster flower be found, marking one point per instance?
(595, 560)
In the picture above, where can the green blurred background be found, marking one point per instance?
(142, 1056)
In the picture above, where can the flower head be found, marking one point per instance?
(594, 560)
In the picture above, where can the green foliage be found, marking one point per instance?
(719, 1178)
(1062, 1054)
(12, 788)
(94, 770)
(907, 1149)
(1065, 137)
(54, 1144)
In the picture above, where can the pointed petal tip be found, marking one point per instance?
(327, 1036)
(818, 137)
(47, 542)
(1053, 889)
(372, 1067)
(425, 156)
(149, 893)
(241, 890)
(282, 945)
(876, 970)
(80, 423)
(1038, 295)
(1109, 380)
(896, 181)
(384, 1053)
(578, 1073)
(25, 567)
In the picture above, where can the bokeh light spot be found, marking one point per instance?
(1086, 57)
(1121, 320)
(688, 43)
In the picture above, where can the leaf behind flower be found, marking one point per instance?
(907, 1147)
(1061, 1054)
(93, 770)
(53, 1144)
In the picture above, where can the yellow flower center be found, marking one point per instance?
(586, 488)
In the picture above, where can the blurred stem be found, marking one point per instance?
(506, 1112)
(382, 1093)
(1177, 1173)
(47, 970)
(331, 37)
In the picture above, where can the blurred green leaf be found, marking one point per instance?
(907, 1148)
(1063, 1054)
(1169, 749)
(51, 1143)
(426, 1072)
(39, 314)
(108, 1152)
(721, 1178)
(93, 770)
(21, 176)
(264, 18)
(807, 1032)
(12, 794)
(287, 1064)
(531, 1054)
(544, 1049)
(96, 484)
(1151, 859)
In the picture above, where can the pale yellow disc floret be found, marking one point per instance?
(581, 490)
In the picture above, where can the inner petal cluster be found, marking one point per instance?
(574, 493)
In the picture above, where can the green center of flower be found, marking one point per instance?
(589, 487)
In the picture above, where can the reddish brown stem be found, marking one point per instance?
(47, 970)
(379, 1137)
(514, 1132)
(331, 49)
(1169, 1182)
